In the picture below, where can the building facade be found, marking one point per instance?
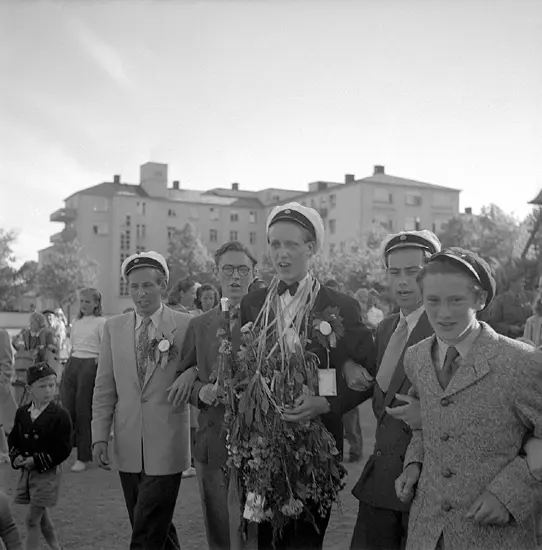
(113, 220)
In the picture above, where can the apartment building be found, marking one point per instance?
(112, 220)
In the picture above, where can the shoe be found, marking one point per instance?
(191, 472)
(79, 466)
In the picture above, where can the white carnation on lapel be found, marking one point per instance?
(325, 328)
(163, 346)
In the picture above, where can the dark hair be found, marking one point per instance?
(96, 296)
(181, 286)
(444, 266)
(199, 293)
(234, 246)
(256, 284)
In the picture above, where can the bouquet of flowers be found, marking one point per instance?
(284, 470)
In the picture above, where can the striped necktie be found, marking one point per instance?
(446, 373)
(143, 350)
(393, 353)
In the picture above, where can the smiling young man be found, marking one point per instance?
(234, 267)
(139, 360)
(382, 519)
(480, 394)
(295, 234)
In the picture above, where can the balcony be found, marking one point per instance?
(63, 215)
(63, 236)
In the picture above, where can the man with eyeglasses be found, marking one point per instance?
(234, 267)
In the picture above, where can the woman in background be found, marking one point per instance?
(206, 298)
(182, 295)
(80, 375)
(533, 326)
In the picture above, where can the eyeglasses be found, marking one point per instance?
(229, 270)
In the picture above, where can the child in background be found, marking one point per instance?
(80, 373)
(38, 443)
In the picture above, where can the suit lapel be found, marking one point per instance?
(420, 331)
(476, 366)
(166, 328)
(210, 331)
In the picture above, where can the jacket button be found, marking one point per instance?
(444, 437)
(446, 472)
(445, 401)
(378, 453)
(36, 436)
(26, 436)
(446, 506)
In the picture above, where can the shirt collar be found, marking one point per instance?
(33, 407)
(155, 318)
(412, 318)
(463, 347)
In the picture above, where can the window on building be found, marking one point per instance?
(332, 248)
(234, 217)
(125, 240)
(253, 237)
(213, 214)
(128, 220)
(171, 213)
(100, 228)
(410, 224)
(413, 199)
(171, 232)
(332, 201)
(418, 224)
(213, 235)
(343, 246)
(253, 217)
(141, 207)
(141, 231)
(434, 227)
(140, 248)
(234, 235)
(332, 226)
(123, 287)
(381, 194)
(101, 204)
(384, 221)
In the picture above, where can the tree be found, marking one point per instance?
(66, 270)
(188, 256)
(28, 276)
(8, 275)
(7, 239)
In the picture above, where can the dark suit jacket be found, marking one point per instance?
(376, 485)
(48, 439)
(200, 348)
(357, 344)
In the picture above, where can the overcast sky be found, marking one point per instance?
(267, 93)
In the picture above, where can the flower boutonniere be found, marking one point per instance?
(327, 327)
(162, 350)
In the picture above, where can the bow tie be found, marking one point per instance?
(283, 287)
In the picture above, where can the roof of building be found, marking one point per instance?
(110, 189)
(403, 182)
(537, 199)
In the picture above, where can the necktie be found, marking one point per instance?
(143, 350)
(283, 287)
(391, 356)
(445, 374)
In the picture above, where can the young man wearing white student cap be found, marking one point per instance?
(382, 519)
(295, 233)
(139, 360)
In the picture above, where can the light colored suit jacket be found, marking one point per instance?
(8, 407)
(149, 432)
(470, 442)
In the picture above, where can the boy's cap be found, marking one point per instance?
(38, 371)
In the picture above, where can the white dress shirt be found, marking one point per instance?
(463, 347)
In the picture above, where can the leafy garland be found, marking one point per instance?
(283, 469)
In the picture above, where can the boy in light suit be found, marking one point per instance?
(139, 360)
(481, 394)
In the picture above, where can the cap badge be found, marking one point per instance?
(287, 211)
(403, 238)
(136, 261)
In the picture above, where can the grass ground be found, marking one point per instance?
(91, 514)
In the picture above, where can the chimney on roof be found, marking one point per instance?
(235, 187)
(176, 184)
(378, 170)
(116, 179)
(468, 210)
(349, 178)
